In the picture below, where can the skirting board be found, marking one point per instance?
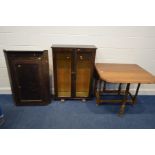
(7, 90)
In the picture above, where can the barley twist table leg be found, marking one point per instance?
(97, 98)
(98, 92)
(122, 109)
(135, 96)
(119, 89)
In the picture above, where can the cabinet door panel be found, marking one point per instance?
(63, 71)
(83, 73)
(28, 78)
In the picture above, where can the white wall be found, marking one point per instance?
(115, 44)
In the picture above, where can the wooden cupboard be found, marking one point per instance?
(29, 76)
(73, 71)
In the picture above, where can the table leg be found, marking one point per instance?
(98, 92)
(122, 109)
(135, 96)
(100, 85)
(97, 97)
(104, 87)
(119, 89)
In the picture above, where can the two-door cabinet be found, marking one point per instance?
(29, 76)
(73, 71)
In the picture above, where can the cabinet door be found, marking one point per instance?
(28, 81)
(84, 68)
(62, 66)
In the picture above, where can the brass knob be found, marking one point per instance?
(67, 57)
(78, 49)
(81, 57)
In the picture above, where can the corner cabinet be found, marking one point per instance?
(29, 76)
(73, 71)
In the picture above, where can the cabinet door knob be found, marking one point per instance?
(72, 72)
(78, 49)
(81, 57)
(19, 66)
(67, 57)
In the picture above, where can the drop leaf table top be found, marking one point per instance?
(124, 73)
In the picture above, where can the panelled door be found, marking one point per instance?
(28, 80)
(63, 69)
(84, 71)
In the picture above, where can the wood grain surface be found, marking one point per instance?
(124, 73)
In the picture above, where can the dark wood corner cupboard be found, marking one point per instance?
(73, 71)
(29, 76)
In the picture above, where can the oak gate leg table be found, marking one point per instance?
(120, 74)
